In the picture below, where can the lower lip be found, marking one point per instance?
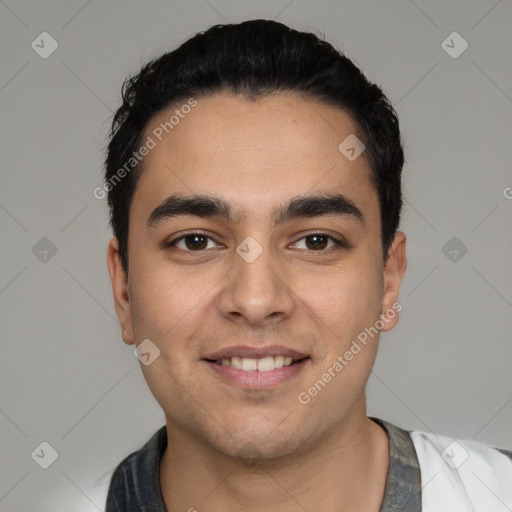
(255, 379)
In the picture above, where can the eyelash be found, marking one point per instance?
(336, 241)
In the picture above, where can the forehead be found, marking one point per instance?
(252, 153)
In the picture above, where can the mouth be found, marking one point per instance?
(261, 371)
(264, 364)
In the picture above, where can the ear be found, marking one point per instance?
(394, 271)
(119, 282)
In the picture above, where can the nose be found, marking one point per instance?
(257, 293)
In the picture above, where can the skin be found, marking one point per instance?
(238, 449)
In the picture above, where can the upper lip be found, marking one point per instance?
(256, 352)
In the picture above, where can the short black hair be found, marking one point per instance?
(253, 59)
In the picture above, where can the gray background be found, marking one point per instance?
(67, 378)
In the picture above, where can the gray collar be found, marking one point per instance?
(403, 484)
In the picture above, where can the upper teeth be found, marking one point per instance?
(264, 364)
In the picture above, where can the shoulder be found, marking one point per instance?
(462, 475)
(135, 478)
(97, 491)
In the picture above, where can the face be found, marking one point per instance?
(283, 259)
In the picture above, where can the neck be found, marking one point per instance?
(346, 471)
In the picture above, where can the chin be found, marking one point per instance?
(254, 444)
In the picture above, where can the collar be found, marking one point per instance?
(403, 484)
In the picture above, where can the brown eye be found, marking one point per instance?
(196, 242)
(193, 242)
(319, 242)
(316, 242)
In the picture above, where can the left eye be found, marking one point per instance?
(319, 241)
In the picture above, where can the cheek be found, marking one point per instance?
(164, 309)
(153, 306)
(169, 308)
(346, 310)
(344, 300)
(161, 298)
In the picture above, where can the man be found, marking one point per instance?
(253, 177)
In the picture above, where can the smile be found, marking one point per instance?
(250, 373)
(264, 364)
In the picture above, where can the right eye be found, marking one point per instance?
(191, 242)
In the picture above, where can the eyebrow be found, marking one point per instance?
(298, 207)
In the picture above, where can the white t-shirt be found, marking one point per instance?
(462, 476)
